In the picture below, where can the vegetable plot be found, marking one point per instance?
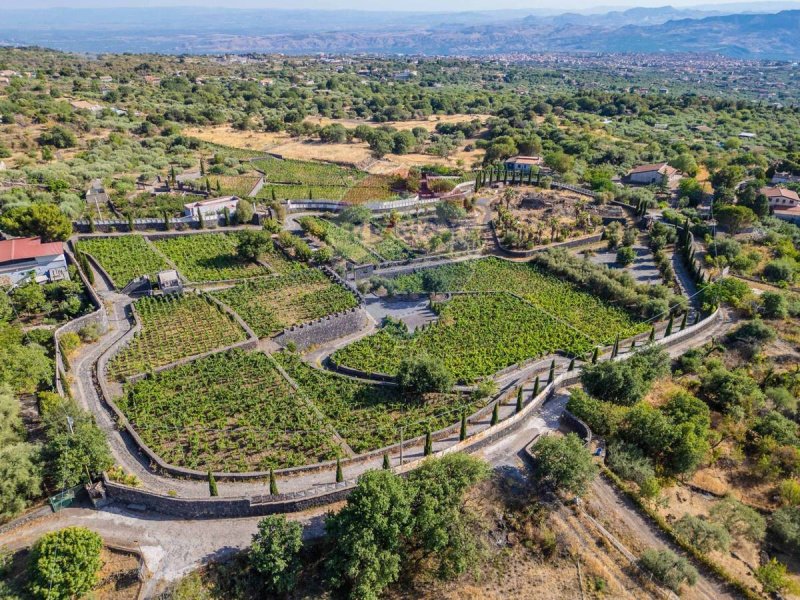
(124, 257)
(228, 412)
(270, 305)
(174, 327)
(475, 336)
(208, 257)
(369, 416)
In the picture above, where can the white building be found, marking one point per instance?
(653, 174)
(30, 257)
(211, 208)
(781, 198)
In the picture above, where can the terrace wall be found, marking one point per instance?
(325, 329)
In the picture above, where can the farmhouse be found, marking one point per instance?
(24, 257)
(522, 164)
(211, 208)
(780, 197)
(655, 173)
(785, 177)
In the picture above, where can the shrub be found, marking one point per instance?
(789, 491)
(774, 305)
(784, 528)
(707, 536)
(780, 270)
(274, 552)
(629, 462)
(626, 255)
(773, 577)
(65, 563)
(668, 568)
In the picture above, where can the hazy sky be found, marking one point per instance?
(427, 5)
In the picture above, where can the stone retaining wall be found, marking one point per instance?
(581, 428)
(325, 329)
(582, 241)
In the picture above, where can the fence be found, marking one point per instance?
(378, 207)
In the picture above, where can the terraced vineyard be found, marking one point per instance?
(210, 257)
(345, 243)
(393, 248)
(475, 336)
(302, 192)
(269, 305)
(228, 412)
(174, 327)
(124, 257)
(561, 299)
(370, 416)
(307, 173)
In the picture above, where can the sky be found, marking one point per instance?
(393, 5)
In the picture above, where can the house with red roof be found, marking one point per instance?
(653, 174)
(22, 258)
(781, 198)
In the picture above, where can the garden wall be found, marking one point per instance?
(581, 241)
(325, 329)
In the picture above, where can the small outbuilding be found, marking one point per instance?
(169, 282)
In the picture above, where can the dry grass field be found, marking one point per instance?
(225, 135)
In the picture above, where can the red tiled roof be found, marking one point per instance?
(25, 248)
(779, 192)
(649, 168)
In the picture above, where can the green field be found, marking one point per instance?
(475, 336)
(369, 416)
(124, 257)
(228, 412)
(270, 305)
(208, 257)
(344, 243)
(174, 327)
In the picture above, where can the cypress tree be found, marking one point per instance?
(530, 176)
(536, 387)
(652, 337)
(595, 354)
(696, 318)
(273, 485)
(219, 187)
(633, 344)
(668, 332)
(226, 215)
(495, 414)
(505, 176)
(208, 185)
(462, 435)
(339, 474)
(167, 222)
(571, 366)
(202, 168)
(520, 399)
(552, 375)
(91, 224)
(200, 219)
(274, 197)
(428, 444)
(130, 222)
(212, 484)
(683, 320)
(615, 349)
(386, 464)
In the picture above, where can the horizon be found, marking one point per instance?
(417, 6)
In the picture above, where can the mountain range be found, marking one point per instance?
(741, 30)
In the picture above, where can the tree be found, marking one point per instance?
(420, 373)
(77, 455)
(386, 462)
(339, 474)
(273, 483)
(21, 474)
(253, 244)
(428, 448)
(625, 256)
(784, 528)
(43, 220)
(774, 305)
(357, 215)
(439, 527)
(58, 137)
(520, 400)
(369, 534)
(244, 212)
(274, 553)
(449, 211)
(735, 218)
(563, 463)
(668, 568)
(462, 433)
(707, 536)
(65, 563)
(212, 485)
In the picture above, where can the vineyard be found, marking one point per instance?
(373, 188)
(270, 305)
(600, 321)
(475, 336)
(369, 416)
(154, 206)
(228, 412)
(174, 327)
(345, 243)
(208, 257)
(307, 173)
(391, 247)
(232, 185)
(302, 192)
(124, 258)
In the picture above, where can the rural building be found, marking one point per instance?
(522, 164)
(24, 257)
(747, 135)
(211, 208)
(650, 174)
(785, 177)
(789, 214)
(780, 197)
(169, 282)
